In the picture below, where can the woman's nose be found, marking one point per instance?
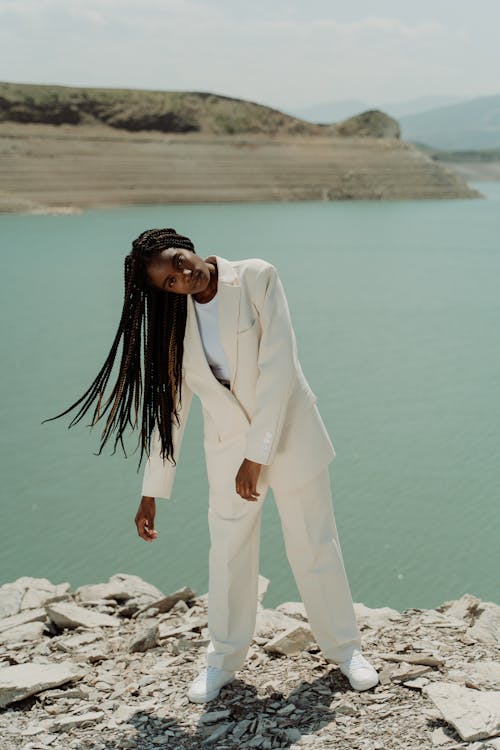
(187, 271)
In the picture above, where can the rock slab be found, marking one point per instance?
(474, 714)
(22, 680)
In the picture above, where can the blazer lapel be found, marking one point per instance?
(228, 293)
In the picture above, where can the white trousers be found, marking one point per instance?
(314, 554)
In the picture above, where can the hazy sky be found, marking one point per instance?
(282, 53)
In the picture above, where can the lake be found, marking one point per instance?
(396, 308)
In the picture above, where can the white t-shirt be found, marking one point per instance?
(208, 323)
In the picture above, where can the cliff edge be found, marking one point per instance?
(108, 666)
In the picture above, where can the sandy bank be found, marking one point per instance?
(49, 168)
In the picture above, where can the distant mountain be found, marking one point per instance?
(327, 112)
(421, 104)
(474, 124)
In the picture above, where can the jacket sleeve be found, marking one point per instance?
(159, 474)
(276, 364)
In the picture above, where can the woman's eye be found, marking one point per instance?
(180, 259)
(171, 282)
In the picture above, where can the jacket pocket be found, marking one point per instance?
(247, 326)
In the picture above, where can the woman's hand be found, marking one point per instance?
(247, 478)
(145, 519)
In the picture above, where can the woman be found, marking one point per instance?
(221, 329)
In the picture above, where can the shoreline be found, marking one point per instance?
(108, 666)
(65, 169)
(476, 171)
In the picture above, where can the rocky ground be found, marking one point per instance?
(65, 168)
(108, 666)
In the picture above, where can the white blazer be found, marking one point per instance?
(269, 415)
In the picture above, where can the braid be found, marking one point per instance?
(152, 326)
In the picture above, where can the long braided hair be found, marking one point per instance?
(152, 326)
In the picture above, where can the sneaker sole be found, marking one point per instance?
(208, 696)
(365, 686)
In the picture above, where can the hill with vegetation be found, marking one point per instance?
(142, 110)
(170, 112)
(64, 148)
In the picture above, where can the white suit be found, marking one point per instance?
(270, 416)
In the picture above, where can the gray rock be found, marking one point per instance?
(486, 628)
(427, 645)
(418, 683)
(68, 615)
(124, 713)
(257, 741)
(286, 710)
(105, 708)
(375, 617)
(262, 586)
(22, 680)
(292, 734)
(220, 732)
(293, 640)
(180, 608)
(345, 708)
(241, 727)
(405, 671)
(425, 659)
(121, 586)
(474, 714)
(76, 642)
(81, 720)
(29, 593)
(185, 627)
(212, 716)
(433, 618)
(92, 593)
(30, 631)
(145, 639)
(269, 621)
(30, 615)
(462, 609)
(458, 675)
(293, 609)
(165, 603)
(439, 737)
(484, 674)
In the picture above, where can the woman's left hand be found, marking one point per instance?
(247, 478)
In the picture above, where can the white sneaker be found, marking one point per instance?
(359, 671)
(206, 686)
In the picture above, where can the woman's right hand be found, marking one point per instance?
(145, 519)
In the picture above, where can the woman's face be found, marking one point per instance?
(180, 271)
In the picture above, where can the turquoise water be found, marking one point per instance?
(396, 308)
